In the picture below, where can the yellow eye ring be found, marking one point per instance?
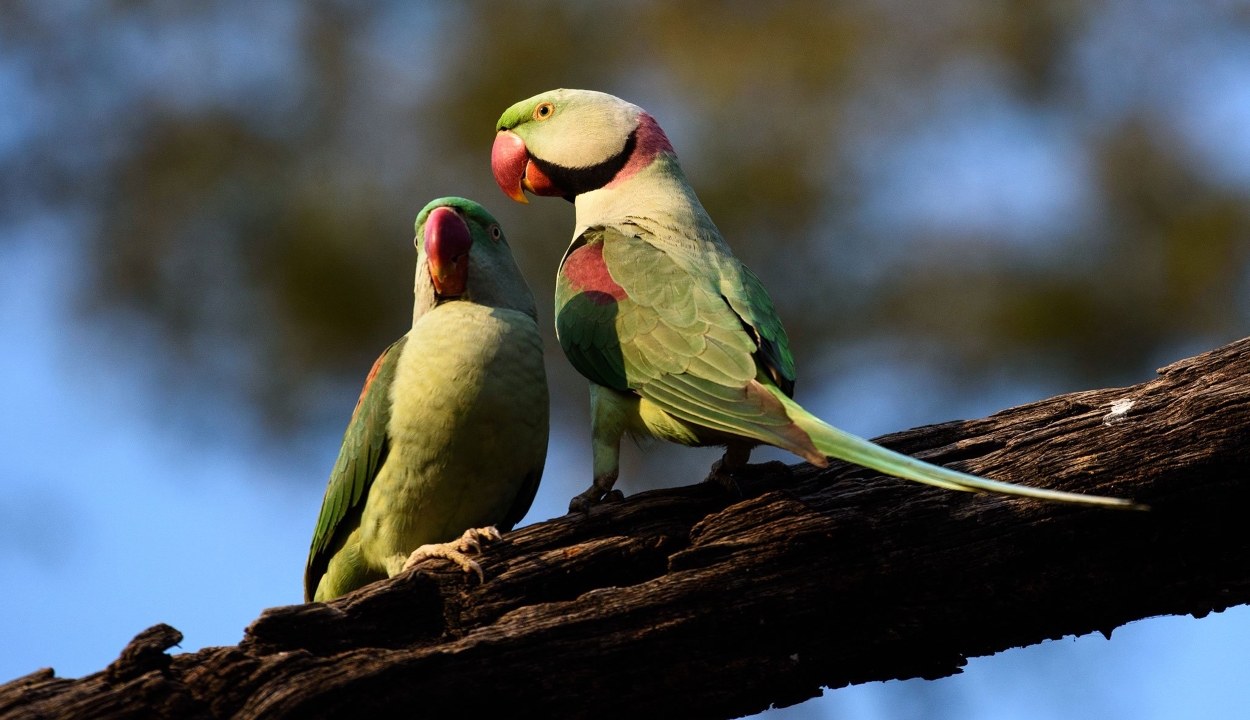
(495, 233)
(544, 111)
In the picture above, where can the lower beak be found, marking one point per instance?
(447, 244)
(508, 159)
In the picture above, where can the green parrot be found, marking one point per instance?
(680, 341)
(450, 433)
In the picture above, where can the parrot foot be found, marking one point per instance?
(728, 477)
(600, 491)
(724, 472)
(724, 476)
(458, 550)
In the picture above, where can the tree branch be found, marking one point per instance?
(690, 603)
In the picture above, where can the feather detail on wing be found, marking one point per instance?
(365, 446)
(629, 317)
(710, 350)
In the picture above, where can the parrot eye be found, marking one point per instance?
(495, 233)
(544, 111)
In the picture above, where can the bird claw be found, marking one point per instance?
(458, 550)
(600, 491)
(584, 502)
(729, 477)
(725, 477)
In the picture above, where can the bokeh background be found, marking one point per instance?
(206, 237)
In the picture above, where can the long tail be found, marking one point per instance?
(833, 442)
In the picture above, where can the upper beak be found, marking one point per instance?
(508, 159)
(447, 243)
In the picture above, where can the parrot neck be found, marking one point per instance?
(424, 299)
(495, 281)
(657, 193)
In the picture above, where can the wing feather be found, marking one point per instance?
(669, 336)
(365, 446)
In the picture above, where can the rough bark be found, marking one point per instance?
(693, 603)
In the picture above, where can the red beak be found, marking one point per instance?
(516, 172)
(447, 243)
(508, 159)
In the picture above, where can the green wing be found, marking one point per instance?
(676, 339)
(712, 352)
(747, 297)
(365, 446)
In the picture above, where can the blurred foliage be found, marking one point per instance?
(248, 173)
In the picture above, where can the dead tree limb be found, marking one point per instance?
(692, 603)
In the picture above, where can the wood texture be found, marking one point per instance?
(693, 603)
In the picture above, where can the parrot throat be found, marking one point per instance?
(575, 181)
(644, 144)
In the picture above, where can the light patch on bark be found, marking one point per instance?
(1119, 409)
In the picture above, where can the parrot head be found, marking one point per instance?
(564, 143)
(462, 254)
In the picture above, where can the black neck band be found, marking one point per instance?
(575, 181)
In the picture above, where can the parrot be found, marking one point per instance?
(449, 435)
(678, 338)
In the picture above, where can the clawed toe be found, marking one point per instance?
(584, 502)
(447, 552)
(473, 539)
(600, 491)
(458, 550)
(725, 477)
(582, 505)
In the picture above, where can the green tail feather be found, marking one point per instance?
(851, 448)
